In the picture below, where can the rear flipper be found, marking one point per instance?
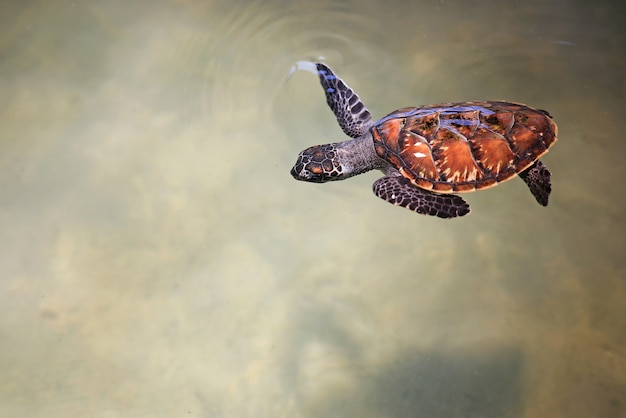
(537, 177)
(399, 191)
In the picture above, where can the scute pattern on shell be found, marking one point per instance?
(462, 147)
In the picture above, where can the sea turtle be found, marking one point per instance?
(429, 152)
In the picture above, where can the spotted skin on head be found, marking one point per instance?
(317, 164)
(351, 113)
(399, 191)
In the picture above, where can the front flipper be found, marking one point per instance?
(351, 113)
(537, 178)
(399, 191)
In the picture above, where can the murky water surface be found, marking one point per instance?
(158, 260)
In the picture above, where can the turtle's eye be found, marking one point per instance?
(311, 171)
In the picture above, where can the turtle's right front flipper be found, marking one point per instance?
(351, 113)
(399, 191)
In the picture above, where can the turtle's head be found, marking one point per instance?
(319, 164)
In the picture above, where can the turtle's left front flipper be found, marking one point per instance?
(537, 177)
(351, 113)
(399, 191)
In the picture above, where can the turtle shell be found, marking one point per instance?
(462, 147)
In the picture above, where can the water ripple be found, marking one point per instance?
(246, 53)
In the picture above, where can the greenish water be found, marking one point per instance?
(158, 260)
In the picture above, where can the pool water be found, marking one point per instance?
(157, 259)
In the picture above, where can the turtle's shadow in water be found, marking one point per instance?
(438, 384)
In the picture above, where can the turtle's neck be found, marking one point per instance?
(358, 156)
